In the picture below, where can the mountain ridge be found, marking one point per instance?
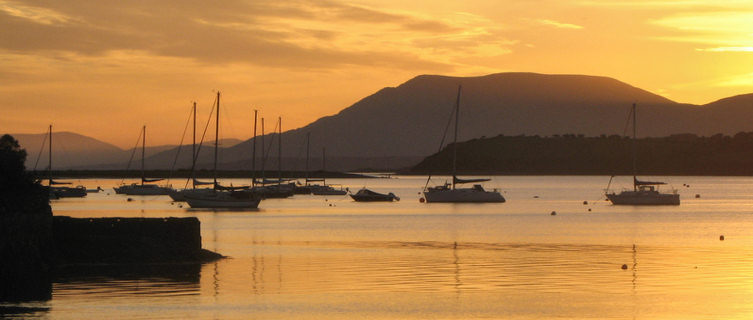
(407, 121)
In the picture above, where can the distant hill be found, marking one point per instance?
(68, 150)
(408, 121)
(685, 154)
(395, 127)
(74, 151)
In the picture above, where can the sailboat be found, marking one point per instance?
(221, 196)
(450, 192)
(61, 192)
(324, 189)
(179, 195)
(270, 188)
(644, 192)
(273, 188)
(143, 188)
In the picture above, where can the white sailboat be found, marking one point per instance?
(143, 188)
(644, 192)
(219, 196)
(450, 192)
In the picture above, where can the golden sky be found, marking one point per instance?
(104, 68)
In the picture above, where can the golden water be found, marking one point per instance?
(314, 257)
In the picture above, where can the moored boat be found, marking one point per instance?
(244, 199)
(644, 192)
(450, 192)
(327, 190)
(61, 192)
(143, 188)
(366, 195)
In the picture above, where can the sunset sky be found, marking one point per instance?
(104, 68)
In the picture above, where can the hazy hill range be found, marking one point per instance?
(72, 150)
(396, 127)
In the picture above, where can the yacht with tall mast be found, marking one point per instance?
(145, 188)
(61, 192)
(450, 192)
(644, 192)
(179, 195)
(222, 196)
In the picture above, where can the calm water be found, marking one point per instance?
(332, 258)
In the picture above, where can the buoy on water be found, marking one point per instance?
(721, 238)
(589, 209)
(697, 195)
(554, 213)
(624, 267)
(585, 202)
(422, 200)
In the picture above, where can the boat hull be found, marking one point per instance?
(463, 195)
(145, 190)
(644, 198)
(370, 198)
(224, 200)
(276, 192)
(68, 192)
(329, 192)
(180, 195)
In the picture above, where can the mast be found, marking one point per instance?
(253, 157)
(635, 154)
(49, 169)
(263, 153)
(279, 152)
(308, 141)
(216, 138)
(193, 149)
(455, 144)
(143, 152)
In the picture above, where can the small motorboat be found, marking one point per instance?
(366, 195)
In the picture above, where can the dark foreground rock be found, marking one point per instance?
(37, 248)
(128, 240)
(25, 256)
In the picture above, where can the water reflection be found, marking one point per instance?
(300, 258)
(118, 281)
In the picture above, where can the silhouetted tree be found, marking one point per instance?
(20, 192)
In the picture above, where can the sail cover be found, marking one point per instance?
(53, 182)
(272, 181)
(647, 183)
(150, 180)
(230, 188)
(201, 183)
(458, 180)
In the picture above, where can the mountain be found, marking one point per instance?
(396, 127)
(409, 120)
